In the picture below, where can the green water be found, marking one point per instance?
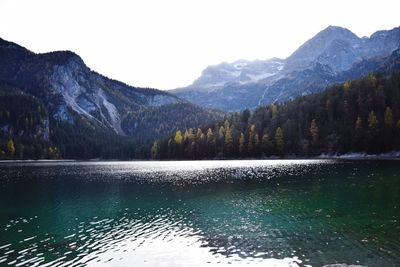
(205, 213)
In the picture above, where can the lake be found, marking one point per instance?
(200, 213)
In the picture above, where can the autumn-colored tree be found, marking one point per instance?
(274, 109)
(211, 143)
(178, 137)
(210, 136)
(199, 133)
(372, 121)
(228, 142)
(11, 148)
(221, 133)
(346, 85)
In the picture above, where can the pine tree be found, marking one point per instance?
(256, 143)
(188, 136)
(242, 144)
(371, 78)
(265, 143)
(314, 132)
(279, 140)
(389, 131)
(250, 144)
(171, 149)
(155, 150)
(373, 142)
(359, 134)
(388, 118)
(228, 142)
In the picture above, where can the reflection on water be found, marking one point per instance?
(266, 213)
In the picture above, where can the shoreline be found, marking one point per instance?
(395, 155)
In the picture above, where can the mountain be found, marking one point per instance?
(357, 116)
(79, 102)
(333, 55)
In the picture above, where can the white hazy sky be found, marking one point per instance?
(167, 43)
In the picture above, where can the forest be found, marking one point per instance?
(356, 116)
(28, 132)
(24, 127)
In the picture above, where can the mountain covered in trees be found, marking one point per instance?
(74, 112)
(356, 116)
(24, 127)
(332, 56)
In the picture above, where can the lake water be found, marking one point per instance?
(201, 213)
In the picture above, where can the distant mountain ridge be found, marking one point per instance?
(327, 58)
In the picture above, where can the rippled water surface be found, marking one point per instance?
(205, 213)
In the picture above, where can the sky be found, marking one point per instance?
(166, 44)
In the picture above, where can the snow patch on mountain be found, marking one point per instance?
(258, 77)
(160, 100)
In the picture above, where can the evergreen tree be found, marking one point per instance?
(265, 143)
(155, 150)
(250, 144)
(242, 144)
(314, 134)
(256, 144)
(373, 133)
(279, 141)
(388, 118)
(359, 134)
(228, 144)
(389, 129)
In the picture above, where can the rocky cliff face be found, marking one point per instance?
(333, 55)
